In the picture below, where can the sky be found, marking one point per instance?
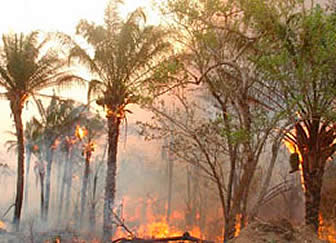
(50, 15)
(26, 15)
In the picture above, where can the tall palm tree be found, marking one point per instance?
(32, 134)
(56, 120)
(95, 128)
(26, 67)
(127, 66)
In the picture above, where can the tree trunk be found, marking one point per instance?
(313, 185)
(268, 177)
(50, 155)
(93, 205)
(16, 108)
(69, 183)
(28, 159)
(63, 183)
(41, 174)
(84, 185)
(315, 148)
(170, 185)
(110, 183)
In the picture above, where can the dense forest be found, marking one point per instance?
(212, 126)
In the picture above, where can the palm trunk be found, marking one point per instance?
(17, 113)
(84, 184)
(170, 186)
(110, 183)
(93, 205)
(50, 155)
(69, 183)
(315, 148)
(313, 185)
(28, 154)
(42, 193)
(64, 180)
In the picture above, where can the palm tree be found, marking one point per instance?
(32, 134)
(95, 128)
(56, 120)
(26, 67)
(127, 66)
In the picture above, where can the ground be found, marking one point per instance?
(276, 232)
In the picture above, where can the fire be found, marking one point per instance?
(238, 224)
(293, 148)
(89, 147)
(118, 113)
(149, 222)
(81, 132)
(327, 231)
(2, 225)
(158, 229)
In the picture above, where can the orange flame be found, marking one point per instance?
(90, 147)
(293, 148)
(326, 232)
(153, 224)
(158, 229)
(238, 224)
(80, 132)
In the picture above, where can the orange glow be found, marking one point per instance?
(81, 132)
(2, 225)
(56, 143)
(150, 223)
(119, 113)
(327, 231)
(90, 147)
(158, 230)
(196, 232)
(293, 148)
(238, 224)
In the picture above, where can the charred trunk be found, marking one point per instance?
(16, 108)
(50, 155)
(69, 183)
(313, 185)
(28, 159)
(41, 174)
(170, 187)
(93, 204)
(84, 185)
(110, 183)
(63, 184)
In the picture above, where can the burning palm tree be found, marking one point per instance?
(25, 70)
(126, 62)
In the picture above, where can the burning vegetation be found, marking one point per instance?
(249, 78)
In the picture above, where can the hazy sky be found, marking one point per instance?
(51, 15)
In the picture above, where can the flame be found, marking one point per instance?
(238, 224)
(158, 229)
(80, 132)
(2, 225)
(293, 148)
(326, 231)
(149, 222)
(118, 113)
(89, 147)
